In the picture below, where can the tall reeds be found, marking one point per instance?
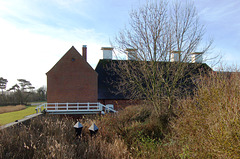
(54, 137)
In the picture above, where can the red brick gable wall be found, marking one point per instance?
(72, 80)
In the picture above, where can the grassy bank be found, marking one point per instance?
(9, 117)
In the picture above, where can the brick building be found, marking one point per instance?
(72, 79)
(109, 91)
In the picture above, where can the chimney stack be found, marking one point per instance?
(131, 54)
(175, 56)
(84, 52)
(107, 52)
(197, 57)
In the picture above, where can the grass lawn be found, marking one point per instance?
(6, 118)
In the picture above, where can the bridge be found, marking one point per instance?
(75, 108)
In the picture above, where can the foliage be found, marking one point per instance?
(54, 137)
(22, 93)
(206, 125)
(3, 83)
(155, 30)
(41, 94)
(139, 128)
(209, 124)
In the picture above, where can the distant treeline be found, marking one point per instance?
(21, 93)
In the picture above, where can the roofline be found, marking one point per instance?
(80, 56)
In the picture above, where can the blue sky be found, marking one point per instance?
(35, 34)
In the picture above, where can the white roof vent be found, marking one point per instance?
(197, 57)
(131, 54)
(175, 56)
(107, 52)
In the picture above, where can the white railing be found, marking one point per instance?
(108, 108)
(78, 107)
(39, 108)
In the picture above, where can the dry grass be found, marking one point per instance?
(54, 137)
(139, 128)
(7, 109)
(207, 125)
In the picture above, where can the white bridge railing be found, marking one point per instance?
(75, 107)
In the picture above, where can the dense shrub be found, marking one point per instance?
(209, 124)
(140, 128)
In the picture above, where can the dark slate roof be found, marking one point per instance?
(107, 77)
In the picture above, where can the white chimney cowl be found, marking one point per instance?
(197, 57)
(131, 54)
(107, 52)
(175, 56)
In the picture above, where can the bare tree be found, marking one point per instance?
(42, 93)
(155, 30)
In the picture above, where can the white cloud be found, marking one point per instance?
(65, 3)
(29, 55)
(219, 10)
(36, 34)
(29, 46)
